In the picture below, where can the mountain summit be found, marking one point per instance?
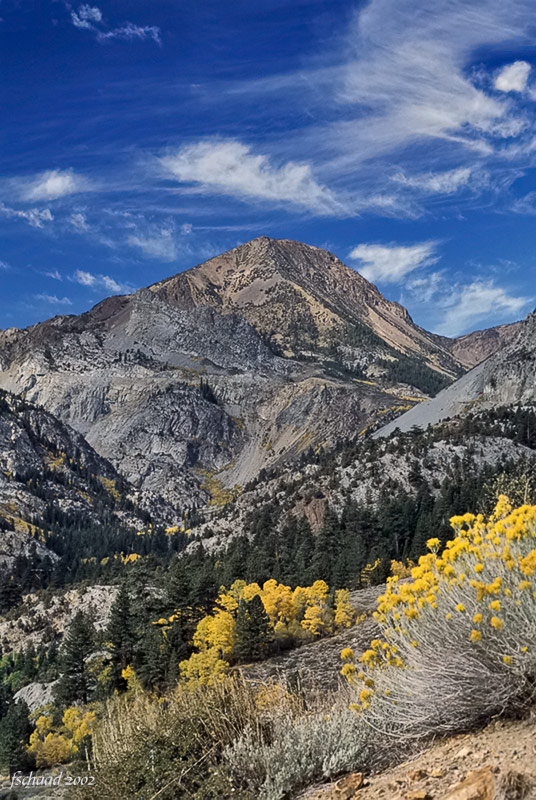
(194, 385)
(302, 298)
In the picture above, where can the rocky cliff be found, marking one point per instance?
(192, 386)
(508, 377)
(45, 464)
(472, 348)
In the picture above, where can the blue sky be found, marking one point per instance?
(139, 139)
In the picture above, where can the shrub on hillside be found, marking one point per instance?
(301, 749)
(167, 747)
(459, 641)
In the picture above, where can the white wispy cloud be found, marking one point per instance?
(457, 307)
(230, 167)
(513, 78)
(410, 83)
(99, 281)
(437, 182)
(54, 300)
(525, 204)
(91, 18)
(157, 243)
(425, 287)
(86, 16)
(35, 217)
(51, 185)
(408, 97)
(79, 221)
(390, 263)
(478, 300)
(130, 32)
(55, 275)
(5, 266)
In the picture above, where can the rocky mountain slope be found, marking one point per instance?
(374, 469)
(192, 386)
(45, 464)
(302, 298)
(472, 348)
(508, 377)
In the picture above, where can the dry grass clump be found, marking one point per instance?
(226, 740)
(167, 747)
(459, 641)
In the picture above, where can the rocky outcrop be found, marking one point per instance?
(45, 463)
(506, 378)
(36, 695)
(192, 386)
(473, 348)
(42, 620)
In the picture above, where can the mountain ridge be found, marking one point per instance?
(195, 384)
(506, 377)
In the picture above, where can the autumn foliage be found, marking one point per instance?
(303, 613)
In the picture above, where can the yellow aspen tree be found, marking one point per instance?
(344, 610)
(313, 621)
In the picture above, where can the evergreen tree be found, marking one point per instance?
(327, 547)
(151, 665)
(304, 553)
(76, 683)
(178, 587)
(253, 630)
(121, 635)
(10, 594)
(15, 730)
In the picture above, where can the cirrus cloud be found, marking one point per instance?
(437, 182)
(54, 299)
(86, 16)
(457, 307)
(230, 167)
(99, 282)
(91, 18)
(159, 243)
(390, 263)
(35, 217)
(51, 185)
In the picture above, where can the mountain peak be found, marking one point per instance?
(301, 298)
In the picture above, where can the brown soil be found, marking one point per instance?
(504, 752)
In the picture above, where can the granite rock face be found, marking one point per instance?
(508, 377)
(44, 462)
(192, 386)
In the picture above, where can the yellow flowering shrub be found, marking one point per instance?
(203, 669)
(459, 639)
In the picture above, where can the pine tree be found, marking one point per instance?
(178, 588)
(304, 552)
(252, 631)
(151, 667)
(15, 730)
(327, 547)
(10, 594)
(30, 663)
(121, 635)
(76, 683)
